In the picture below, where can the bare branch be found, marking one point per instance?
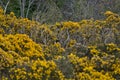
(28, 9)
(22, 7)
(5, 9)
(2, 4)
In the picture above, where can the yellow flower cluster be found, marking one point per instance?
(85, 50)
(23, 59)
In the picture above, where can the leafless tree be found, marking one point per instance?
(29, 6)
(5, 5)
(22, 4)
(47, 11)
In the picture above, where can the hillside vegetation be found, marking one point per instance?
(52, 11)
(85, 50)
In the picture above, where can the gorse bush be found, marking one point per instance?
(85, 50)
(23, 59)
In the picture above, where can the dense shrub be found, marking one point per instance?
(89, 49)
